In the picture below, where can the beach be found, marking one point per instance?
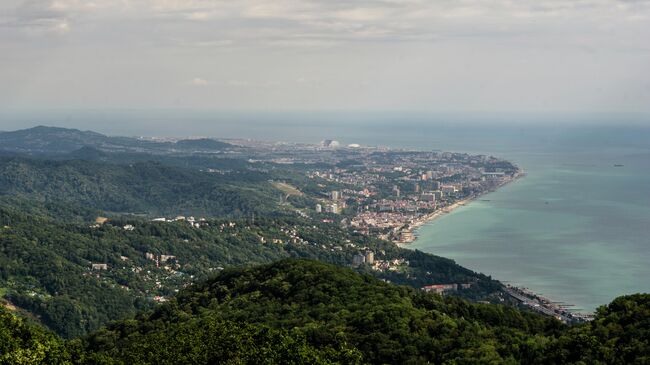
(410, 232)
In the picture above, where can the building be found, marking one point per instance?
(440, 288)
(101, 220)
(428, 197)
(165, 258)
(99, 266)
(319, 208)
(370, 257)
(330, 143)
(332, 208)
(336, 195)
(448, 189)
(358, 260)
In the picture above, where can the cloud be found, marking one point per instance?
(293, 21)
(313, 24)
(36, 16)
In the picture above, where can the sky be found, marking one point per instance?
(526, 56)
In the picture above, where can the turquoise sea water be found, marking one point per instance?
(576, 229)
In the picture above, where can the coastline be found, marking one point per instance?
(523, 296)
(411, 230)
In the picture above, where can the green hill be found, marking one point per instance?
(306, 312)
(43, 140)
(146, 187)
(46, 266)
(335, 308)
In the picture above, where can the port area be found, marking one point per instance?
(538, 303)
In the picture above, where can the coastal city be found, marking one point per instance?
(390, 193)
(372, 191)
(386, 193)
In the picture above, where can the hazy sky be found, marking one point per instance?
(426, 55)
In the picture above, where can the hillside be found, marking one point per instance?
(46, 267)
(333, 307)
(43, 140)
(144, 187)
(297, 312)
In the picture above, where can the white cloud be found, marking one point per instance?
(461, 53)
(295, 20)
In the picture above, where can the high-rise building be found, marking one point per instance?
(370, 257)
(319, 208)
(358, 260)
(428, 197)
(336, 195)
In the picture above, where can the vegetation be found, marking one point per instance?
(46, 266)
(240, 286)
(338, 310)
(145, 188)
(22, 343)
(297, 311)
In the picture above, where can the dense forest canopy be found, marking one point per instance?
(296, 311)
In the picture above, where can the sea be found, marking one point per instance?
(575, 229)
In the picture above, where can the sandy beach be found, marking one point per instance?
(428, 218)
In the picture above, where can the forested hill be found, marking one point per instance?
(142, 188)
(44, 140)
(46, 267)
(336, 308)
(295, 312)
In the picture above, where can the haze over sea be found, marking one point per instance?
(575, 229)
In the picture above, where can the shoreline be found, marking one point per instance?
(524, 296)
(415, 225)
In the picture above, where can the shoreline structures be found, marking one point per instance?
(524, 296)
(417, 223)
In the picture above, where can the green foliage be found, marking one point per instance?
(208, 340)
(620, 334)
(24, 344)
(146, 187)
(332, 307)
(339, 310)
(46, 266)
(306, 312)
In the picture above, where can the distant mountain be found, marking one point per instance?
(53, 140)
(43, 139)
